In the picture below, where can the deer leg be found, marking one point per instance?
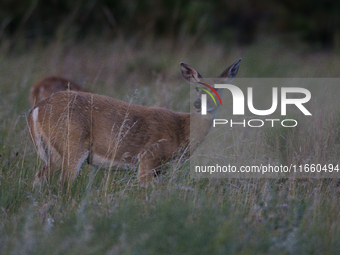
(52, 163)
(147, 167)
(71, 164)
(44, 173)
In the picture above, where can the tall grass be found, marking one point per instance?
(109, 212)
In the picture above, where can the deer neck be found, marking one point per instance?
(200, 126)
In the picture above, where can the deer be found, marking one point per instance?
(71, 127)
(48, 85)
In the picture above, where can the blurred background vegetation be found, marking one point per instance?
(245, 21)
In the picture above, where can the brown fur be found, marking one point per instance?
(49, 85)
(70, 127)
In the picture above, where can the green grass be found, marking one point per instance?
(109, 212)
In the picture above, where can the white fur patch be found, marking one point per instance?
(102, 161)
(37, 136)
(35, 115)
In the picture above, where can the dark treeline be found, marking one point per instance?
(313, 21)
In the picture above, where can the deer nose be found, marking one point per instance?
(197, 103)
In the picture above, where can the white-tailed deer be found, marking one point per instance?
(49, 85)
(71, 127)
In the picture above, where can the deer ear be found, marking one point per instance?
(231, 72)
(189, 72)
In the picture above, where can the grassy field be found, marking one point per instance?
(109, 212)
